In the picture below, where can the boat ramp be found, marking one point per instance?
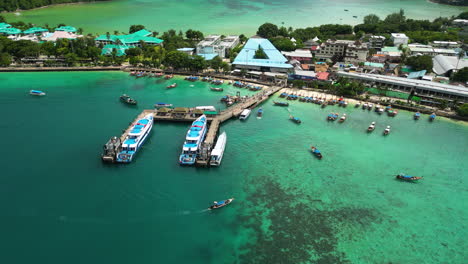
(183, 114)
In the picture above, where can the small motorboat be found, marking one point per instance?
(432, 117)
(370, 106)
(371, 127)
(364, 106)
(380, 111)
(37, 93)
(127, 99)
(388, 108)
(405, 177)
(216, 89)
(392, 112)
(332, 116)
(386, 131)
(260, 112)
(417, 115)
(324, 105)
(357, 105)
(230, 82)
(169, 76)
(295, 119)
(174, 85)
(316, 152)
(342, 118)
(217, 205)
(283, 95)
(281, 103)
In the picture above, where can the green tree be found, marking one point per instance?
(197, 63)
(260, 53)
(71, 59)
(135, 28)
(134, 61)
(283, 44)
(216, 63)
(176, 59)
(396, 18)
(419, 63)
(268, 30)
(371, 19)
(133, 52)
(462, 110)
(461, 75)
(5, 59)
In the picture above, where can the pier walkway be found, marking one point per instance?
(215, 121)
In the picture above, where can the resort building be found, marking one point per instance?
(301, 55)
(356, 52)
(274, 61)
(460, 22)
(445, 44)
(342, 50)
(229, 43)
(424, 89)
(124, 42)
(60, 35)
(8, 30)
(399, 39)
(211, 47)
(38, 31)
(66, 29)
(376, 42)
(446, 65)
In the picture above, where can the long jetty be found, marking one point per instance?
(215, 120)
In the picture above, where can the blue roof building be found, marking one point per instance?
(275, 61)
(124, 42)
(66, 29)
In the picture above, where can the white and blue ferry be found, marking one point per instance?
(135, 139)
(193, 140)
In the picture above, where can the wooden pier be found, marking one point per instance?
(189, 115)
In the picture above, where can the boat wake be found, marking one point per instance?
(259, 117)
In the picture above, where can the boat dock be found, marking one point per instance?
(183, 114)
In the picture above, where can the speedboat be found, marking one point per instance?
(245, 114)
(217, 205)
(260, 112)
(432, 117)
(364, 106)
(135, 139)
(193, 140)
(371, 127)
(417, 115)
(281, 103)
(316, 152)
(171, 86)
(405, 177)
(370, 106)
(295, 119)
(342, 118)
(332, 116)
(216, 89)
(127, 99)
(37, 93)
(388, 108)
(218, 150)
(357, 105)
(169, 76)
(392, 112)
(386, 131)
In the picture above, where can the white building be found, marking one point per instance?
(356, 52)
(420, 49)
(399, 38)
(229, 43)
(211, 47)
(376, 42)
(445, 65)
(446, 44)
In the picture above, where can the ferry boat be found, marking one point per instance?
(127, 99)
(218, 150)
(36, 93)
(135, 139)
(386, 131)
(245, 114)
(223, 203)
(194, 138)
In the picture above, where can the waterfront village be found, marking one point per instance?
(387, 71)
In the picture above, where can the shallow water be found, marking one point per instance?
(224, 17)
(60, 203)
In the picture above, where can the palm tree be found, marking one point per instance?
(116, 32)
(108, 35)
(461, 54)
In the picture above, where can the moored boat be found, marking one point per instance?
(316, 152)
(37, 93)
(370, 106)
(342, 118)
(220, 204)
(371, 127)
(127, 99)
(295, 119)
(406, 177)
(245, 114)
(161, 105)
(135, 139)
(364, 106)
(110, 150)
(281, 103)
(357, 105)
(193, 140)
(386, 131)
(169, 76)
(392, 112)
(216, 89)
(218, 150)
(432, 117)
(260, 112)
(417, 115)
(332, 116)
(171, 86)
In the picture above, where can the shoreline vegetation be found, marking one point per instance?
(7, 6)
(85, 51)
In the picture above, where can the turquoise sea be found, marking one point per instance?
(60, 204)
(224, 16)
